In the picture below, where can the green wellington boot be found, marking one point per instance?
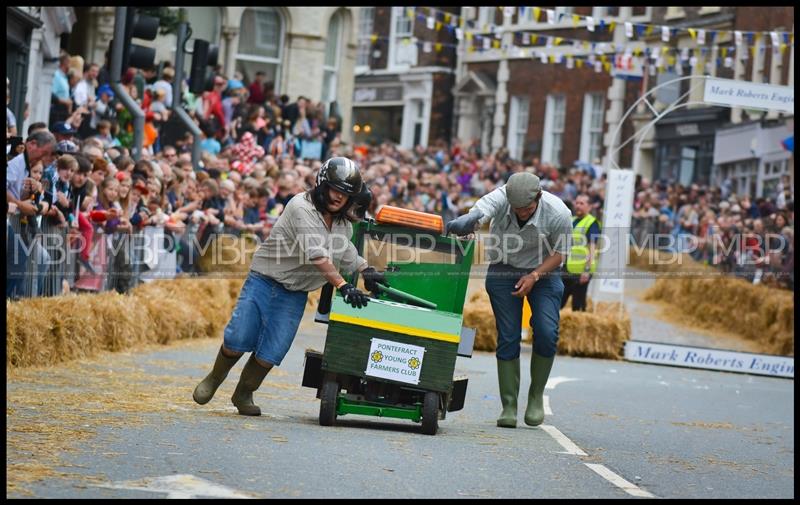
(508, 377)
(540, 371)
(204, 391)
(252, 376)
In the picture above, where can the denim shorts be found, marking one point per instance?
(545, 302)
(265, 319)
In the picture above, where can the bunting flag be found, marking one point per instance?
(590, 23)
(665, 33)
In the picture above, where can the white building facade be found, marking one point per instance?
(308, 51)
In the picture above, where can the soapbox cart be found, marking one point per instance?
(396, 357)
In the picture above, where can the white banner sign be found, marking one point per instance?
(616, 222)
(395, 361)
(749, 95)
(711, 359)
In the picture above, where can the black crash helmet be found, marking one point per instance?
(342, 174)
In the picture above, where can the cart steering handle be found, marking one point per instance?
(402, 296)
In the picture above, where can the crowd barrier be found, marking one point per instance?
(38, 264)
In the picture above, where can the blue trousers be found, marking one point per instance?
(545, 302)
(265, 319)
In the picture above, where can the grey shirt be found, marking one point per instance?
(548, 231)
(300, 236)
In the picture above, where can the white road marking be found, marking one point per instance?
(566, 443)
(546, 402)
(178, 486)
(552, 382)
(631, 489)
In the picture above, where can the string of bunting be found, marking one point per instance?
(438, 19)
(531, 39)
(435, 19)
(604, 56)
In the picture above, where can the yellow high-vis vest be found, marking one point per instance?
(576, 262)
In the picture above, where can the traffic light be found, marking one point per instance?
(139, 26)
(204, 55)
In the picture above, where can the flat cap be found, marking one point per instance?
(521, 189)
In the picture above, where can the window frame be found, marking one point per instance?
(394, 38)
(548, 144)
(518, 119)
(277, 61)
(327, 70)
(364, 39)
(587, 128)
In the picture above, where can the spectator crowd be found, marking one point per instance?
(76, 177)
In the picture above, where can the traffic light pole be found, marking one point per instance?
(116, 77)
(177, 108)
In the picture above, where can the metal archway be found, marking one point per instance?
(614, 149)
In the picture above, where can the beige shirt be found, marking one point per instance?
(300, 236)
(548, 231)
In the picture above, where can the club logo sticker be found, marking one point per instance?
(395, 361)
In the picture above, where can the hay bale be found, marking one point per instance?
(758, 313)
(46, 331)
(228, 254)
(598, 334)
(654, 260)
(313, 299)
(478, 314)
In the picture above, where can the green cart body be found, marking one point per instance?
(396, 357)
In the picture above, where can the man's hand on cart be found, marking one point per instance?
(371, 279)
(354, 296)
(464, 225)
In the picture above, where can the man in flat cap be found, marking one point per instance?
(529, 239)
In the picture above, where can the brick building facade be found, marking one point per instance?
(404, 81)
(564, 115)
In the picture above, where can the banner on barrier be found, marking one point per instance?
(709, 359)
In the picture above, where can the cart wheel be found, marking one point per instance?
(327, 407)
(430, 413)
